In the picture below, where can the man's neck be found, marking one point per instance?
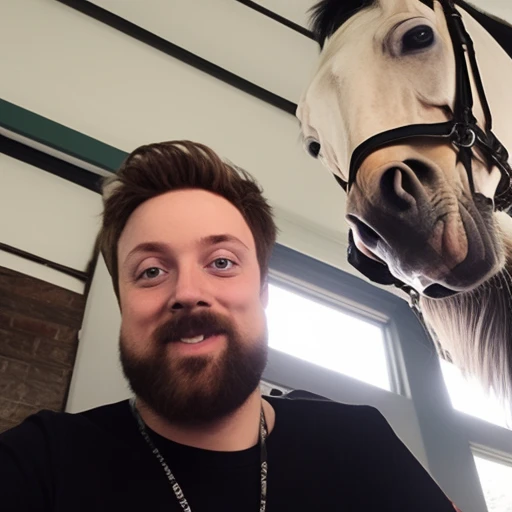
(238, 431)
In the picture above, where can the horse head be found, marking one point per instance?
(400, 113)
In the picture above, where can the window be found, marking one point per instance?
(495, 479)
(468, 396)
(328, 337)
(333, 320)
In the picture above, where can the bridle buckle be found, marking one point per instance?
(463, 136)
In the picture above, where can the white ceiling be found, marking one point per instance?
(294, 10)
(500, 8)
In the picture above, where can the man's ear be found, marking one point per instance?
(264, 294)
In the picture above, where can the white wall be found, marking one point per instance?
(47, 216)
(97, 377)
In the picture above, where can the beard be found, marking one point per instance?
(194, 390)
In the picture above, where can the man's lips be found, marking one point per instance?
(192, 338)
(198, 345)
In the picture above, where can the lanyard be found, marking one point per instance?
(172, 480)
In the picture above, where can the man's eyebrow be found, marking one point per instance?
(219, 239)
(147, 247)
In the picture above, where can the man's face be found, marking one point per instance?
(193, 335)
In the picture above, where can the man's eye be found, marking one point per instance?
(222, 264)
(151, 273)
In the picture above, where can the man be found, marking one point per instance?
(187, 239)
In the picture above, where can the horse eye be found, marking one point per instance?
(313, 147)
(417, 38)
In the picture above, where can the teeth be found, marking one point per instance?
(195, 339)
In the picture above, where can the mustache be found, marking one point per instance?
(189, 325)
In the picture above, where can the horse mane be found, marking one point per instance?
(327, 16)
(474, 330)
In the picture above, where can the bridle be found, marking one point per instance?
(462, 131)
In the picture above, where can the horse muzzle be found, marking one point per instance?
(408, 221)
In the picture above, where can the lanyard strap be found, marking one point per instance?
(263, 433)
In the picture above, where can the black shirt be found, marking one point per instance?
(322, 456)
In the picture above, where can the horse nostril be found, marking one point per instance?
(421, 170)
(397, 189)
(368, 236)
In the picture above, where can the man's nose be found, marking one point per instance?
(189, 289)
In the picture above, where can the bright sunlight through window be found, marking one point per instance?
(327, 337)
(495, 479)
(469, 397)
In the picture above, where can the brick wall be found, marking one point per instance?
(39, 323)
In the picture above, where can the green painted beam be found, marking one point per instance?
(59, 137)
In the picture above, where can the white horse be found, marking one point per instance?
(389, 112)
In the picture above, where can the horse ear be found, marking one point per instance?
(373, 270)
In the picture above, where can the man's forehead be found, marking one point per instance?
(193, 207)
(185, 216)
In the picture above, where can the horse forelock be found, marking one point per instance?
(327, 16)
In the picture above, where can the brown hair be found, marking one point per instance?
(154, 169)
